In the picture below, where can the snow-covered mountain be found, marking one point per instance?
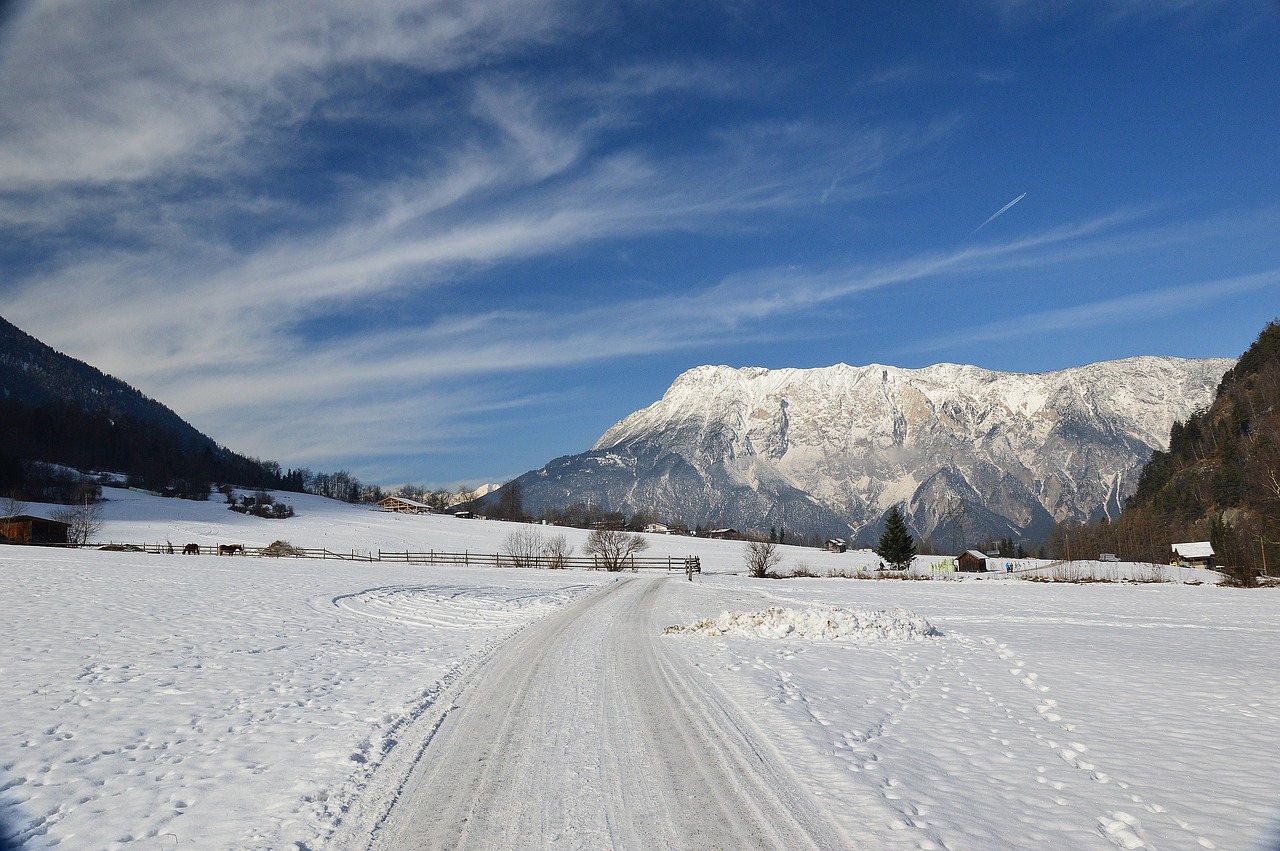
(972, 453)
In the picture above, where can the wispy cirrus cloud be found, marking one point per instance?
(445, 365)
(332, 230)
(94, 93)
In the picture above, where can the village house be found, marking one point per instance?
(1195, 554)
(972, 561)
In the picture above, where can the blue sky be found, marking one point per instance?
(444, 241)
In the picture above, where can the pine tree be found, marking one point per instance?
(897, 547)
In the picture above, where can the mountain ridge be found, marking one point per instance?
(57, 409)
(970, 452)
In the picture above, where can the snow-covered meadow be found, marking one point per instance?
(168, 701)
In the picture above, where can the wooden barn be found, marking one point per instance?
(403, 505)
(723, 534)
(836, 545)
(971, 561)
(29, 529)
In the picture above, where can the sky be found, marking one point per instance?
(446, 241)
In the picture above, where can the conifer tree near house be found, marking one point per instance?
(896, 547)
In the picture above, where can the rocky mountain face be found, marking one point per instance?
(972, 454)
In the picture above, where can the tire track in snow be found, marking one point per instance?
(582, 732)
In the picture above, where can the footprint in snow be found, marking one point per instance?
(1120, 827)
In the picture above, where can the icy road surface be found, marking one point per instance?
(587, 731)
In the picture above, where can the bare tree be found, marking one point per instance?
(613, 547)
(510, 505)
(528, 547)
(523, 546)
(557, 552)
(11, 506)
(84, 521)
(761, 557)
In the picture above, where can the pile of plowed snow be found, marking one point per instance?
(826, 623)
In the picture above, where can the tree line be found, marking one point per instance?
(1218, 481)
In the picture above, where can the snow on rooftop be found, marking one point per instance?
(1195, 549)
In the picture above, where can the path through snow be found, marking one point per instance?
(586, 731)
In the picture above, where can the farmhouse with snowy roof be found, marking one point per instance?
(1194, 554)
(403, 505)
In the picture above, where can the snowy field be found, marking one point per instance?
(159, 701)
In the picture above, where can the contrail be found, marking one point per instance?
(829, 190)
(998, 213)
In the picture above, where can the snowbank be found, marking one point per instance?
(826, 623)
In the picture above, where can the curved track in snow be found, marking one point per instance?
(584, 731)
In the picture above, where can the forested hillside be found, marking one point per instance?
(1219, 480)
(58, 410)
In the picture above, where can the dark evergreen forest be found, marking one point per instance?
(57, 412)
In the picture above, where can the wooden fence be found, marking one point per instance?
(426, 557)
(545, 562)
(237, 550)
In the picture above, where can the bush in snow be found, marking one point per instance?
(761, 557)
(557, 552)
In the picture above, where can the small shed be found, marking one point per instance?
(403, 505)
(972, 561)
(29, 529)
(836, 545)
(1193, 554)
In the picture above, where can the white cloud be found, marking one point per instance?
(138, 149)
(108, 91)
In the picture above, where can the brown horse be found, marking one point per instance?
(191, 550)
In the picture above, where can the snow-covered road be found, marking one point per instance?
(152, 701)
(647, 751)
